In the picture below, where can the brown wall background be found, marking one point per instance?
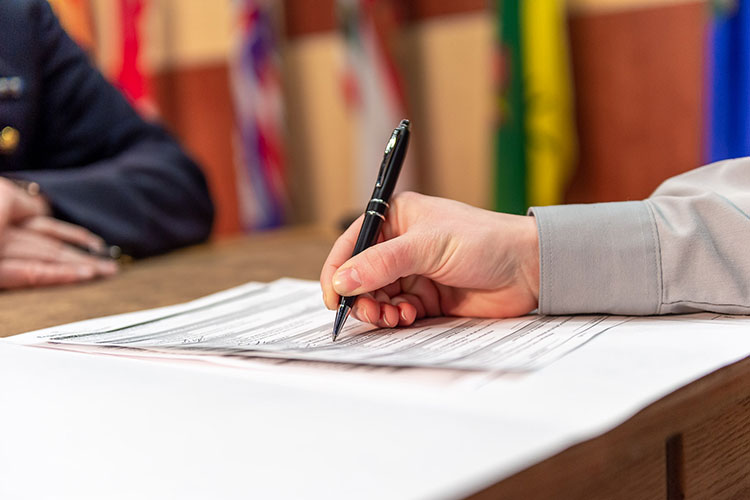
(639, 80)
(638, 70)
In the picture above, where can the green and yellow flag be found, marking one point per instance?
(536, 146)
(510, 174)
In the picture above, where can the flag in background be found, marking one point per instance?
(536, 143)
(728, 81)
(75, 17)
(550, 125)
(373, 87)
(257, 91)
(129, 77)
(510, 144)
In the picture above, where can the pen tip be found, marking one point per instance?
(338, 324)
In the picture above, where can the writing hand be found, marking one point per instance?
(437, 257)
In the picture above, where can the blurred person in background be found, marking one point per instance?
(684, 249)
(78, 166)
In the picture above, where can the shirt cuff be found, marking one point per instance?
(598, 258)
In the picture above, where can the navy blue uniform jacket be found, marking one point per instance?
(97, 162)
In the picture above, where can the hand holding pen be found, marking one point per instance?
(436, 257)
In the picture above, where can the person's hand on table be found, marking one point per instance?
(437, 257)
(37, 250)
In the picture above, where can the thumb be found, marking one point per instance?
(378, 266)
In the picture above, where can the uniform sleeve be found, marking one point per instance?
(684, 249)
(100, 165)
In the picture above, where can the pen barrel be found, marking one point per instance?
(391, 165)
(368, 235)
(377, 205)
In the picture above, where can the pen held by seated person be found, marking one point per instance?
(390, 168)
(112, 252)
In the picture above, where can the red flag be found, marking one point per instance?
(257, 92)
(130, 78)
(372, 85)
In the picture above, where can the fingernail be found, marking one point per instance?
(107, 267)
(403, 315)
(385, 320)
(84, 272)
(346, 281)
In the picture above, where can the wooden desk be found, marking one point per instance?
(694, 443)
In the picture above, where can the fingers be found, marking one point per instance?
(17, 273)
(378, 311)
(388, 312)
(410, 308)
(385, 312)
(23, 244)
(378, 266)
(366, 309)
(64, 231)
(424, 293)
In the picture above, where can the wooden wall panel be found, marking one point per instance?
(320, 138)
(196, 105)
(305, 17)
(638, 77)
(425, 9)
(449, 84)
(599, 6)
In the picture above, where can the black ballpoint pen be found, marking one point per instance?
(390, 168)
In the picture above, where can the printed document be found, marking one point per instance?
(287, 319)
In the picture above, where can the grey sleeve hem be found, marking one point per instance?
(598, 258)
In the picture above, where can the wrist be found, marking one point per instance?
(529, 256)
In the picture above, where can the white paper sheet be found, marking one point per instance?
(287, 319)
(78, 425)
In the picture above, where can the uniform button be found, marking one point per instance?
(9, 138)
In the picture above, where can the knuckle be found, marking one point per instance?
(406, 198)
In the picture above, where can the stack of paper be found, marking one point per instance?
(148, 408)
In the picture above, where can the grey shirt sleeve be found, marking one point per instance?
(683, 249)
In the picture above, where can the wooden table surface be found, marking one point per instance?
(694, 443)
(170, 279)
